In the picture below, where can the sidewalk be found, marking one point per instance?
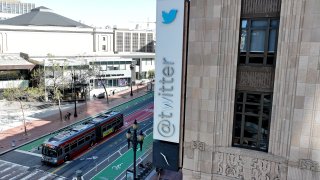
(49, 120)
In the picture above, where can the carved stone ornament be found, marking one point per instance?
(309, 164)
(244, 167)
(263, 169)
(230, 165)
(198, 145)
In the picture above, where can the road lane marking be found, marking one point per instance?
(119, 151)
(148, 105)
(39, 141)
(105, 140)
(27, 152)
(7, 162)
(125, 154)
(117, 167)
(140, 158)
(104, 161)
(62, 166)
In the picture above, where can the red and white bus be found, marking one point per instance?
(69, 143)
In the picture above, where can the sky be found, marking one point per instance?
(102, 13)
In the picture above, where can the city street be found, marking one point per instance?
(109, 159)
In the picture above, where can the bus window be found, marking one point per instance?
(49, 152)
(87, 138)
(60, 152)
(92, 136)
(74, 145)
(104, 129)
(81, 141)
(66, 149)
(109, 126)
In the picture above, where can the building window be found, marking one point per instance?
(110, 66)
(127, 42)
(116, 65)
(122, 65)
(135, 42)
(143, 42)
(119, 41)
(252, 120)
(104, 47)
(258, 41)
(104, 38)
(150, 43)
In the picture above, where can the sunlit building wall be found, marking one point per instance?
(41, 40)
(253, 90)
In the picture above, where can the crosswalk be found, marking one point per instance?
(12, 171)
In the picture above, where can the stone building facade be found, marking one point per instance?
(253, 90)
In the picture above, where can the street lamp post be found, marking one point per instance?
(151, 85)
(131, 94)
(75, 96)
(135, 140)
(131, 68)
(44, 74)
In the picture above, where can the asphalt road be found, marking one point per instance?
(108, 159)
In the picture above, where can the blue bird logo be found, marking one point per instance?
(169, 17)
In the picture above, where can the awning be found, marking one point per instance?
(14, 62)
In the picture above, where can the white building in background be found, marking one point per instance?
(127, 41)
(43, 32)
(42, 35)
(114, 69)
(103, 40)
(43, 40)
(12, 8)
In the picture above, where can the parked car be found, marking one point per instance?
(101, 96)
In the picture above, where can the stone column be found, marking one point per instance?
(211, 79)
(295, 124)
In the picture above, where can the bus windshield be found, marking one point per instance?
(49, 152)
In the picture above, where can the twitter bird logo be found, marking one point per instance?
(169, 17)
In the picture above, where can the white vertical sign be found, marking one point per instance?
(169, 49)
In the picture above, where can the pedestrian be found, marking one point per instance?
(13, 143)
(69, 114)
(113, 92)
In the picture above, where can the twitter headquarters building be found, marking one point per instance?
(237, 93)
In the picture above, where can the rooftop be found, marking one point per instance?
(64, 135)
(42, 16)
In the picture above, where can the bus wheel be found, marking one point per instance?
(66, 158)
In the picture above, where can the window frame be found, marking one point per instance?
(260, 115)
(248, 54)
